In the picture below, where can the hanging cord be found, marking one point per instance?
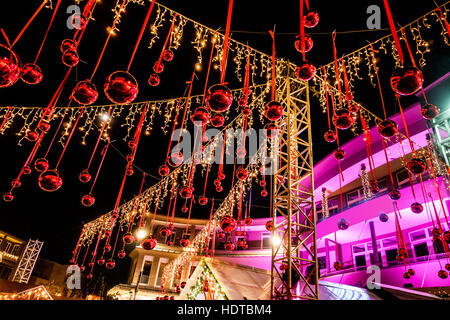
(336, 68)
(374, 61)
(48, 30)
(226, 42)
(70, 137)
(394, 32)
(103, 153)
(56, 134)
(273, 65)
(325, 84)
(167, 40)
(29, 22)
(213, 46)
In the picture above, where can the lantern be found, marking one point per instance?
(273, 111)
(50, 180)
(121, 87)
(149, 243)
(228, 223)
(416, 166)
(429, 111)
(330, 136)
(31, 74)
(406, 81)
(387, 128)
(343, 119)
(85, 92)
(219, 98)
(10, 67)
(305, 71)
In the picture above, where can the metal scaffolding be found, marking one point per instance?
(294, 259)
(27, 262)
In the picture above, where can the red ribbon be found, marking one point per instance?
(273, 64)
(302, 29)
(226, 41)
(336, 67)
(394, 31)
(48, 29)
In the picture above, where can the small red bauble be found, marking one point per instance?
(221, 176)
(394, 194)
(184, 209)
(89, 276)
(184, 242)
(447, 266)
(246, 111)
(186, 192)
(248, 221)
(167, 55)
(154, 80)
(264, 193)
(149, 243)
(79, 21)
(16, 183)
(169, 243)
(164, 170)
(68, 44)
(43, 125)
(273, 111)
(85, 176)
(219, 98)
(176, 158)
(354, 108)
(374, 188)
(32, 136)
(8, 197)
(203, 200)
(308, 43)
(241, 152)
(305, 71)
(110, 264)
(87, 200)
(446, 236)
(219, 188)
(121, 254)
(158, 67)
(339, 154)
(107, 248)
(165, 231)
(416, 207)
(343, 224)
(337, 265)
(406, 81)
(41, 165)
(217, 120)
(85, 92)
(101, 261)
(406, 275)
(443, 274)
(241, 173)
(262, 183)
(31, 74)
(217, 182)
(128, 238)
(221, 235)
(121, 87)
(330, 136)
(91, 264)
(387, 128)
(27, 170)
(50, 181)
(343, 119)
(411, 271)
(10, 67)
(229, 245)
(130, 171)
(311, 19)
(429, 111)
(269, 225)
(416, 166)
(271, 130)
(200, 116)
(70, 58)
(82, 268)
(228, 223)
(182, 285)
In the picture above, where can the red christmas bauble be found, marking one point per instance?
(149, 243)
(264, 193)
(167, 55)
(374, 188)
(184, 209)
(130, 170)
(309, 43)
(269, 225)
(186, 192)
(217, 182)
(101, 261)
(343, 119)
(43, 125)
(416, 207)
(121, 87)
(343, 224)
(217, 120)
(271, 130)
(354, 108)
(184, 242)
(429, 111)
(219, 188)
(27, 170)
(110, 264)
(416, 166)
(164, 170)
(107, 248)
(221, 235)
(411, 271)
(221, 176)
(87, 200)
(273, 111)
(311, 19)
(394, 194)
(85, 176)
(169, 243)
(387, 128)
(383, 217)
(447, 266)
(121, 254)
(41, 165)
(31, 74)
(68, 44)
(241, 152)
(248, 221)
(70, 58)
(305, 71)
(176, 158)
(79, 21)
(85, 92)
(228, 223)
(165, 231)
(219, 98)
(262, 183)
(406, 81)
(443, 274)
(15, 183)
(128, 238)
(229, 245)
(200, 116)
(8, 197)
(339, 154)
(82, 268)
(202, 200)
(182, 285)
(406, 275)
(330, 136)
(154, 80)
(32, 136)
(89, 276)
(10, 67)
(246, 111)
(337, 265)
(158, 67)
(241, 173)
(446, 236)
(50, 180)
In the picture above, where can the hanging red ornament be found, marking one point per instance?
(31, 74)
(87, 200)
(121, 87)
(176, 158)
(241, 152)
(8, 197)
(248, 221)
(305, 71)
(416, 166)
(130, 170)
(264, 193)
(308, 43)
(44, 126)
(246, 111)
(50, 180)
(164, 170)
(186, 192)
(128, 238)
(406, 81)
(149, 243)
(184, 209)
(217, 120)
(269, 225)
(311, 19)
(165, 231)
(107, 248)
(70, 58)
(121, 254)
(262, 183)
(337, 265)
(85, 176)
(82, 268)
(15, 183)
(32, 136)
(110, 264)
(446, 236)
(184, 242)
(228, 223)
(79, 21)
(85, 92)
(182, 285)
(383, 217)
(406, 275)
(101, 261)
(202, 200)
(447, 266)
(219, 188)
(343, 119)
(229, 245)
(217, 182)
(339, 154)
(411, 271)
(374, 188)
(154, 80)
(132, 144)
(221, 235)
(271, 130)
(343, 224)
(27, 170)
(221, 176)
(429, 111)
(330, 136)
(89, 276)
(158, 67)
(167, 55)
(241, 173)
(354, 108)
(200, 116)
(394, 194)
(273, 111)
(41, 165)
(387, 128)
(10, 67)
(219, 98)
(68, 44)
(169, 243)
(443, 274)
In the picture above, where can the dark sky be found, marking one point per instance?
(56, 218)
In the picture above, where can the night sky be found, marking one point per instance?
(57, 218)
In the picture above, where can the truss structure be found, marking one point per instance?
(294, 259)
(441, 131)
(27, 262)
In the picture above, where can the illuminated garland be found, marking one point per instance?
(213, 286)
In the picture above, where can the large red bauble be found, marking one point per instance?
(68, 44)
(167, 55)
(228, 223)
(443, 274)
(184, 242)
(429, 111)
(269, 225)
(343, 224)
(387, 128)
(41, 165)
(87, 200)
(32, 136)
(311, 19)
(308, 43)
(406, 81)
(10, 67)
(271, 130)
(186, 192)
(219, 98)
(248, 221)
(305, 71)
(339, 154)
(330, 136)
(8, 197)
(85, 176)
(50, 181)
(165, 231)
(27, 170)
(217, 120)
(176, 158)
(229, 245)
(110, 264)
(154, 80)
(121, 87)
(242, 173)
(31, 74)
(394, 194)
(158, 67)
(128, 238)
(273, 111)
(164, 170)
(202, 200)
(85, 92)
(149, 243)
(79, 21)
(121, 254)
(200, 116)
(416, 166)
(337, 265)
(70, 58)
(343, 119)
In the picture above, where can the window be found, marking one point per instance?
(359, 248)
(333, 206)
(355, 196)
(391, 256)
(146, 268)
(389, 242)
(162, 264)
(265, 240)
(402, 178)
(418, 235)
(322, 261)
(8, 246)
(438, 247)
(382, 185)
(15, 250)
(360, 261)
(421, 249)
